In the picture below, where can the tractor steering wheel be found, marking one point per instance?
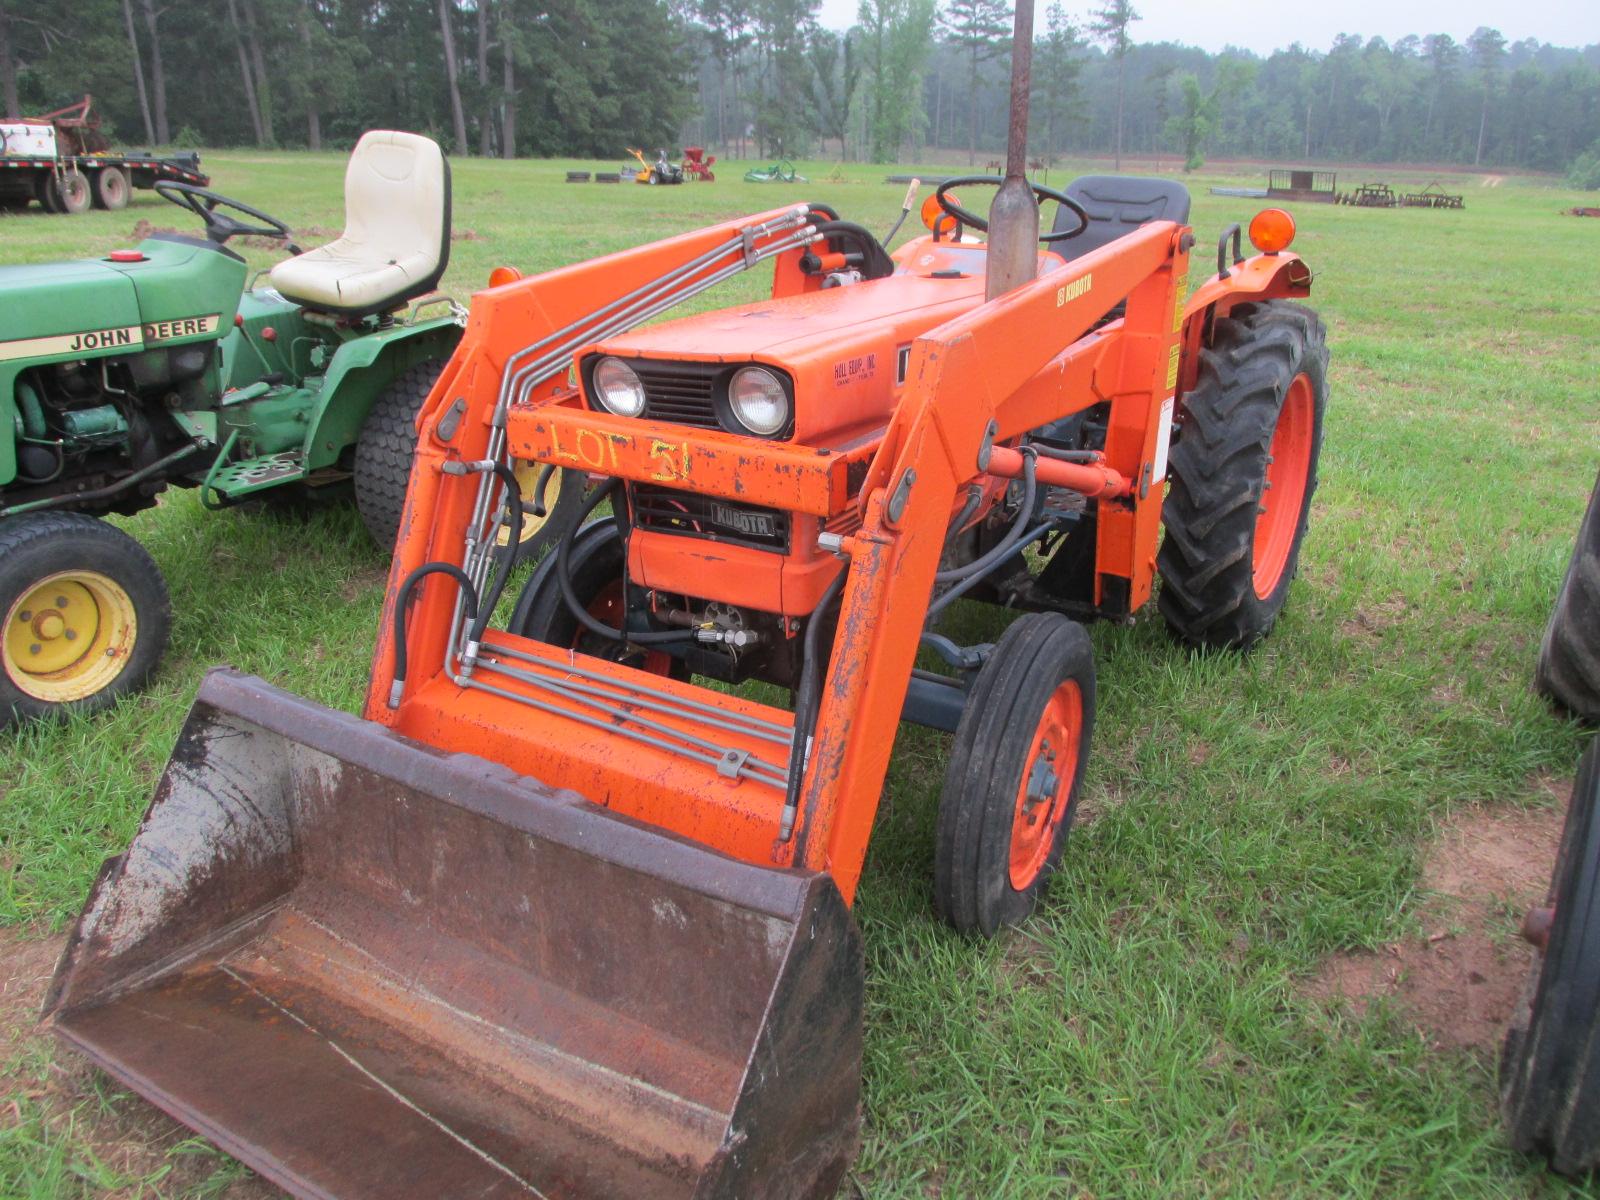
(973, 221)
(205, 204)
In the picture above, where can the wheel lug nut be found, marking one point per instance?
(72, 635)
(35, 648)
(61, 601)
(25, 615)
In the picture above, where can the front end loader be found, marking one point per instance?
(554, 917)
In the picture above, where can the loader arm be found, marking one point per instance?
(1000, 368)
(518, 346)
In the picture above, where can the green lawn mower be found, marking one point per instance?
(159, 366)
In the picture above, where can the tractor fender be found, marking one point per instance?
(1261, 277)
(358, 373)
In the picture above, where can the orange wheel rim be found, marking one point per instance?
(1044, 795)
(607, 608)
(1288, 469)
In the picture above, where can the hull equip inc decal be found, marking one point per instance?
(122, 337)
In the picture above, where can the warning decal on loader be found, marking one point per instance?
(85, 342)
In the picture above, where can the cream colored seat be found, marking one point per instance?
(396, 239)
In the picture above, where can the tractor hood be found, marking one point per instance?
(844, 348)
(178, 290)
(797, 330)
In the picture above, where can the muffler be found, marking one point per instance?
(367, 968)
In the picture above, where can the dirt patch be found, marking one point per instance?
(26, 963)
(1460, 980)
(124, 1133)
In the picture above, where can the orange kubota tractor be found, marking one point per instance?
(556, 919)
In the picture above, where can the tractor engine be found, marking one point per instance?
(83, 425)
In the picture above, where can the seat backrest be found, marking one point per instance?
(397, 194)
(1118, 204)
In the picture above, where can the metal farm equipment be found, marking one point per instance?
(697, 164)
(1433, 196)
(554, 919)
(62, 160)
(1372, 195)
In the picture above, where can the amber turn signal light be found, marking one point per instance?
(935, 218)
(1271, 230)
(501, 276)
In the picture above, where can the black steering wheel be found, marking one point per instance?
(205, 204)
(973, 221)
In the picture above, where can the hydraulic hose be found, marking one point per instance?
(508, 562)
(402, 601)
(583, 616)
(807, 702)
(1000, 550)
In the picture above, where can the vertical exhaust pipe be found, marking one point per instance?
(1014, 215)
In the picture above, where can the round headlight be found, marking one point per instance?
(617, 387)
(758, 400)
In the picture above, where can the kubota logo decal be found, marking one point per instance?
(1071, 291)
(85, 342)
(748, 523)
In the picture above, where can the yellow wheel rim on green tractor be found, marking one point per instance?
(69, 636)
(527, 474)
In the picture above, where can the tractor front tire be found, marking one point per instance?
(1550, 1062)
(1016, 769)
(1243, 470)
(1569, 658)
(86, 616)
(594, 564)
(111, 189)
(385, 447)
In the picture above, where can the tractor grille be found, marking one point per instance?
(666, 511)
(679, 392)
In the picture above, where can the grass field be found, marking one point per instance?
(1149, 1033)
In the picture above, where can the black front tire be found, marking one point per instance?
(999, 746)
(1216, 592)
(1569, 658)
(55, 547)
(1550, 1062)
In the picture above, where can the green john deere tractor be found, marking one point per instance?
(159, 366)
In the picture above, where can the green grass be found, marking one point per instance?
(1143, 1035)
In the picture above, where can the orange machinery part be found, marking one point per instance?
(1006, 366)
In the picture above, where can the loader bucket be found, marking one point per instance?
(368, 968)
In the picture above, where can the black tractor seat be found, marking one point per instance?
(1118, 204)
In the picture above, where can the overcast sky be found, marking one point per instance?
(1264, 27)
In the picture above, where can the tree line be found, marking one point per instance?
(489, 77)
(761, 78)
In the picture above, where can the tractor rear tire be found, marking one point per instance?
(1569, 658)
(388, 442)
(1550, 1061)
(595, 565)
(85, 611)
(111, 189)
(385, 447)
(1016, 770)
(1243, 471)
